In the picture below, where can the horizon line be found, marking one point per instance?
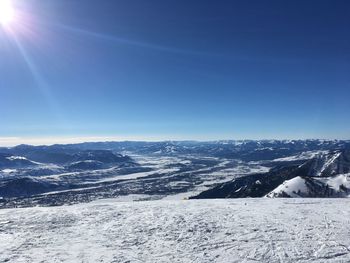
(49, 141)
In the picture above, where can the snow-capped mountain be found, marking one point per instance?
(337, 186)
(326, 175)
(329, 163)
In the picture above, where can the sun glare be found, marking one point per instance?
(7, 12)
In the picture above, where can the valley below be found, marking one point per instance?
(78, 173)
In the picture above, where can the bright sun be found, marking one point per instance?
(7, 12)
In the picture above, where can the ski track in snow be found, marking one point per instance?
(240, 230)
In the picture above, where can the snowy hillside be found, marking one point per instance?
(337, 186)
(329, 164)
(325, 175)
(235, 230)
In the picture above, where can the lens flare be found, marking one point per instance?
(7, 13)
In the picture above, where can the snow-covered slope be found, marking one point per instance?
(313, 178)
(329, 164)
(337, 186)
(338, 183)
(324, 176)
(301, 156)
(291, 188)
(239, 230)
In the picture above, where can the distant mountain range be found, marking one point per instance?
(250, 150)
(60, 174)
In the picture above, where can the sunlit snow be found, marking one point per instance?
(240, 230)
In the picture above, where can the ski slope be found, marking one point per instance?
(239, 230)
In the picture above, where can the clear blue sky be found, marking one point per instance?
(179, 69)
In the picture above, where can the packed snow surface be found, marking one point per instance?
(227, 230)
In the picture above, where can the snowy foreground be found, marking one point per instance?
(240, 230)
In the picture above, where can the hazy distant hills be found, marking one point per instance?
(8, 161)
(241, 149)
(60, 154)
